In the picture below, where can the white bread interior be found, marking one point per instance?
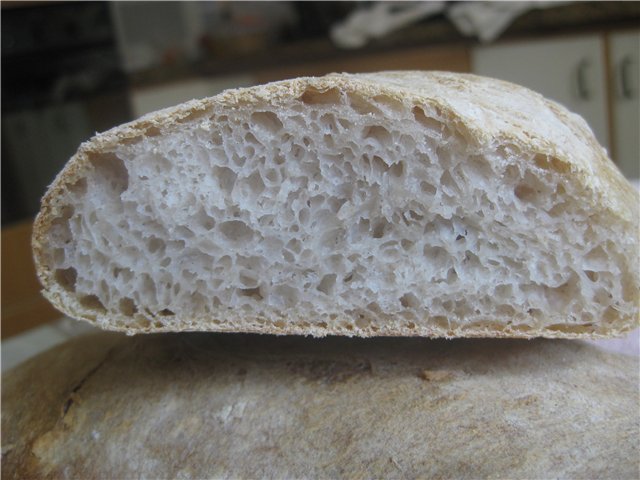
(399, 203)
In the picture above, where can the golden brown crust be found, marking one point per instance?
(248, 406)
(490, 112)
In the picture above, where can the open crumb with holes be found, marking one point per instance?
(398, 203)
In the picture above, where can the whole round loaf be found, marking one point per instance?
(197, 405)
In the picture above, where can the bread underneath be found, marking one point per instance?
(197, 405)
(398, 203)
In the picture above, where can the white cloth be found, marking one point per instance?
(484, 20)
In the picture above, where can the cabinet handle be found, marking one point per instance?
(625, 75)
(582, 88)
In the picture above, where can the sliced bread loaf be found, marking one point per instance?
(396, 203)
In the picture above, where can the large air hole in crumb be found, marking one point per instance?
(155, 244)
(591, 275)
(335, 204)
(397, 170)
(478, 168)
(562, 295)
(92, 302)
(236, 231)
(428, 188)
(505, 310)
(205, 220)
(273, 176)
(449, 184)
(432, 126)
(248, 280)
(629, 288)
(66, 278)
(363, 226)
(437, 256)
(226, 178)
(374, 307)
(65, 213)
(314, 96)
(255, 184)
(127, 307)
(362, 322)
(504, 291)
(452, 276)
(327, 284)
(331, 239)
(148, 287)
(525, 192)
(184, 232)
(285, 295)
(602, 297)
(294, 245)
(79, 187)
(390, 104)
(551, 163)
(380, 228)
(378, 166)
(267, 120)
(406, 244)
(362, 106)
(378, 133)
(409, 300)
(111, 169)
(140, 322)
(440, 322)
(59, 256)
(60, 227)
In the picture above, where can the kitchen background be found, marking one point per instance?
(70, 69)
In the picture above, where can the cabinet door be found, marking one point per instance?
(625, 65)
(568, 70)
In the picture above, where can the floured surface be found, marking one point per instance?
(387, 204)
(229, 406)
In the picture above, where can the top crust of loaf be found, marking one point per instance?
(488, 112)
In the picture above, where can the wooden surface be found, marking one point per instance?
(23, 307)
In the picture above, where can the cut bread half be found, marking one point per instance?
(395, 203)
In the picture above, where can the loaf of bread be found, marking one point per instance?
(203, 405)
(396, 203)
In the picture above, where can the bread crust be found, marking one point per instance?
(489, 112)
(249, 406)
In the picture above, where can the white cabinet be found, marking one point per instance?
(625, 64)
(570, 71)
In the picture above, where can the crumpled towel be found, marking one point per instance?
(485, 20)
